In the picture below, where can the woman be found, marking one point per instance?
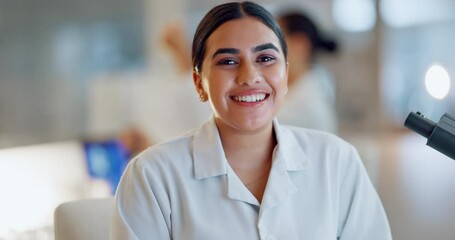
(310, 101)
(242, 175)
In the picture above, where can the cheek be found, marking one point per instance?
(218, 81)
(279, 77)
(207, 78)
(211, 86)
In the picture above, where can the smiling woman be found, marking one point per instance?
(242, 175)
(254, 67)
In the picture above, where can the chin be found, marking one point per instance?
(247, 122)
(254, 124)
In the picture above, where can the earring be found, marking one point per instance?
(286, 91)
(202, 98)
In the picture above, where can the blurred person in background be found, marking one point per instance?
(168, 105)
(145, 109)
(162, 104)
(310, 101)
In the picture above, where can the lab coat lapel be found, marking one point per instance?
(279, 186)
(238, 191)
(210, 161)
(288, 156)
(208, 155)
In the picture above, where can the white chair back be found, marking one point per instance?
(86, 219)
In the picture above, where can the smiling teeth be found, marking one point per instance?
(250, 98)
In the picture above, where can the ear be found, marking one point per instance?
(197, 79)
(287, 76)
(197, 82)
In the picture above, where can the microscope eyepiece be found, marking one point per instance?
(420, 124)
(441, 135)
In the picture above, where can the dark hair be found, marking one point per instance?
(227, 12)
(297, 22)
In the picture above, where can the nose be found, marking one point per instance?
(248, 75)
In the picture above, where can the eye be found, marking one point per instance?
(265, 59)
(226, 62)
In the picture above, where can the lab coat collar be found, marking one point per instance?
(208, 153)
(289, 149)
(210, 160)
(288, 156)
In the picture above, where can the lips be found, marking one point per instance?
(250, 98)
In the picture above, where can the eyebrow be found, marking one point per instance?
(226, 50)
(258, 48)
(265, 46)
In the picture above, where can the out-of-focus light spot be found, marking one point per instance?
(406, 13)
(354, 15)
(34, 180)
(437, 81)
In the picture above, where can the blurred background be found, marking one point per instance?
(75, 74)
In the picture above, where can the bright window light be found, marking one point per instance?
(437, 81)
(34, 180)
(405, 13)
(354, 15)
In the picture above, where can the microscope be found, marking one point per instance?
(441, 135)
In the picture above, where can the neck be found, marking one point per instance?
(248, 150)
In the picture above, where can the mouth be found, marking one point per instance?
(251, 98)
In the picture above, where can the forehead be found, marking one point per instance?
(241, 33)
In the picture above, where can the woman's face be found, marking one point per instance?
(244, 75)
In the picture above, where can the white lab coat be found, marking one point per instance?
(185, 189)
(310, 102)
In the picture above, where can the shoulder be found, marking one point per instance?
(312, 138)
(328, 156)
(320, 149)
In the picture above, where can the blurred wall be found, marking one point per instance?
(52, 50)
(49, 51)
